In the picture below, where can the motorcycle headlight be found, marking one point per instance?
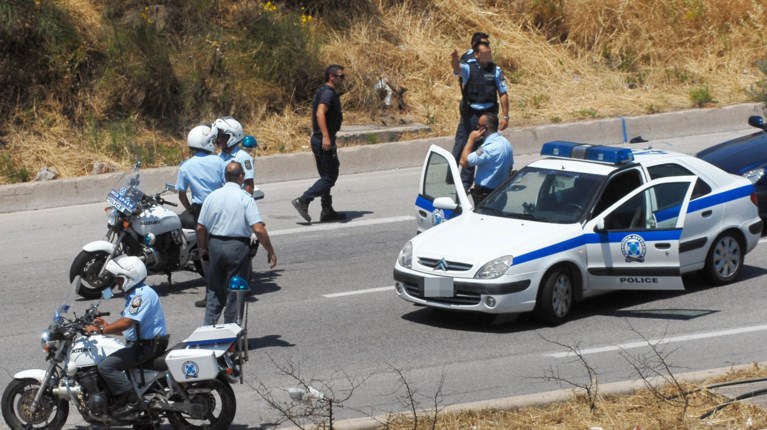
(754, 175)
(45, 341)
(112, 215)
(405, 258)
(495, 268)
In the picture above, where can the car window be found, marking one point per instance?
(617, 187)
(673, 169)
(658, 207)
(439, 180)
(545, 195)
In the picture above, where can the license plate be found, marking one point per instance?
(438, 286)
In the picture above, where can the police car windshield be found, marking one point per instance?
(556, 196)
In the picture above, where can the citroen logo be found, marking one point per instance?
(441, 265)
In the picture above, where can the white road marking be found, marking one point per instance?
(660, 341)
(352, 293)
(340, 225)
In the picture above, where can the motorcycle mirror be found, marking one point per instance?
(257, 194)
(170, 187)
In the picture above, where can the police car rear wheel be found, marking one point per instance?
(724, 260)
(555, 298)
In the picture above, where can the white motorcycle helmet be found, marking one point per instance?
(201, 137)
(232, 127)
(130, 268)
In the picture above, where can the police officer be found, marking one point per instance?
(229, 136)
(483, 84)
(493, 159)
(327, 117)
(202, 173)
(228, 218)
(143, 326)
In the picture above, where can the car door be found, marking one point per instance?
(440, 179)
(634, 244)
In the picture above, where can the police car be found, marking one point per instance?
(580, 221)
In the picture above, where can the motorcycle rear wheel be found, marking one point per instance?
(18, 397)
(88, 265)
(219, 404)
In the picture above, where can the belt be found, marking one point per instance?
(245, 240)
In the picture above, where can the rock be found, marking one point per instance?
(100, 167)
(46, 174)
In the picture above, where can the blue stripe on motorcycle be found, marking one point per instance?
(211, 342)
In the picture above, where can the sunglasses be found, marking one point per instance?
(340, 76)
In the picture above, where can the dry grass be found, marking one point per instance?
(564, 60)
(641, 410)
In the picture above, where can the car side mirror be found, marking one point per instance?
(600, 227)
(170, 187)
(445, 203)
(756, 121)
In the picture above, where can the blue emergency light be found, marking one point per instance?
(584, 151)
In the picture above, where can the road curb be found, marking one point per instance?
(386, 156)
(540, 399)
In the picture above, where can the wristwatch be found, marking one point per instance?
(505, 117)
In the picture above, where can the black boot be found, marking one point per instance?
(131, 404)
(329, 214)
(303, 208)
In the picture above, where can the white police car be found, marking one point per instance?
(582, 220)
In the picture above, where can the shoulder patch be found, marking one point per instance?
(248, 165)
(135, 304)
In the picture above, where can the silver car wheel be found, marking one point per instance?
(562, 296)
(726, 257)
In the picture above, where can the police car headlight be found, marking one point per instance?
(754, 175)
(495, 268)
(405, 258)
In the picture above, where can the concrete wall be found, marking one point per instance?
(384, 156)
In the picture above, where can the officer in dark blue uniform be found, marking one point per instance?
(483, 84)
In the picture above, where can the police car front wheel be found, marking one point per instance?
(555, 297)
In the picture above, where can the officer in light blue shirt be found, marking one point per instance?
(228, 218)
(493, 159)
(230, 135)
(202, 173)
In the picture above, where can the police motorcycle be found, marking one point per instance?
(140, 225)
(189, 384)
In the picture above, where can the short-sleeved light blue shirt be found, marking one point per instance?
(142, 304)
(229, 211)
(494, 160)
(241, 156)
(203, 173)
(500, 83)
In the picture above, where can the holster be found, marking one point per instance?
(156, 345)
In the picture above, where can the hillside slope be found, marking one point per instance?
(87, 82)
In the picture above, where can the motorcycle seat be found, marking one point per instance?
(158, 363)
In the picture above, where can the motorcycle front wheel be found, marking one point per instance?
(17, 401)
(215, 408)
(88, 265)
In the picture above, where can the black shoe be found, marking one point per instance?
(329, 215)
(132, 406)
(302, 208)
(201, 303)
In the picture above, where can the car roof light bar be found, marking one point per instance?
(584, 151)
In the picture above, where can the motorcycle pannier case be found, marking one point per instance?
(190, 365)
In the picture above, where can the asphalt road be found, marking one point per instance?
(329, 312)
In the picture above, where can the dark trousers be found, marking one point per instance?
(327, 167)
(479, 193)
(228, 257)
(189, 217)
(113, 367)
(466, 125)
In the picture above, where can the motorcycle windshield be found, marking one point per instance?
(69, 298)
(126, 196)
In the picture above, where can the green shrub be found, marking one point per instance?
(701, 96)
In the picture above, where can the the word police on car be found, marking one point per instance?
(582, 220)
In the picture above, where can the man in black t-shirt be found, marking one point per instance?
(327, 117)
